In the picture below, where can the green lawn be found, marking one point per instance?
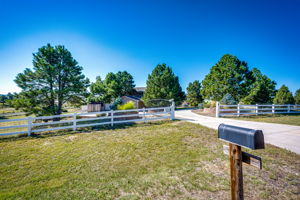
(5, 110)
(291, 119)
(167, 160)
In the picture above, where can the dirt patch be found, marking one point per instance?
(217, 167)
(211, 112)
(47, 143)
(177, 123)
(71, 138)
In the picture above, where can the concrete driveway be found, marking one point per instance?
(281, 135)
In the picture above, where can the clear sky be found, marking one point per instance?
(190, 36)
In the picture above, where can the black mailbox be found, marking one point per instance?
(249, 138)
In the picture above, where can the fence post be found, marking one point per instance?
(173, 110)
(273, 108)
(112, 117)
(289, 108)
(144, 118)
(217, 109)
(74, 121)
(238, 110)
(29, 126)
(256, 109)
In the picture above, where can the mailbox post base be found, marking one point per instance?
(236, 172)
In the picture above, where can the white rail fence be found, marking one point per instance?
(78, 120)
(238, 110)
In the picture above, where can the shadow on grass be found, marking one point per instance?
(3, 117)
(79, 131)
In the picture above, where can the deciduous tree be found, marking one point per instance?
(115, 85)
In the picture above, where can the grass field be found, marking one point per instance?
(291, 119)
(167, 160)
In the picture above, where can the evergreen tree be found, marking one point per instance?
(3, 99)
(126, 83)
(194, 96)
(162, 83)
(297, 97)
(228, 76)
(262, 90)
(228, 99)
(56, 79)
(284, 96)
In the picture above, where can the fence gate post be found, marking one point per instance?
(289, 108)
(217, 109)
(273, 108)
(256, 109)
(112, 117)
(29, 126)
(173, 110)
(238, 110)
(74, 122)
(144, 118)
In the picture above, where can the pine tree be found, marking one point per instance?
(162, 83)
(56, 79)
(228, 76)
(261, 91)
(284, 96)
(194, 96)
(297, 97)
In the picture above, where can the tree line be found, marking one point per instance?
(56, 79)
(231, 81)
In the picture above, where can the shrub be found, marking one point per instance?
(127, 106)
(209, 104)
(228, 100)
(116, 103)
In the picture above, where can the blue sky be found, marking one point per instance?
(190, 36)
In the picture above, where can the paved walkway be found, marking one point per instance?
(281, 135)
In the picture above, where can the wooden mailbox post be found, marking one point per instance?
(239, 137)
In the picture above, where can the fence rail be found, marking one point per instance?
(78, 120)
(257, 109)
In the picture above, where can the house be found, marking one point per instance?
(138, 103)
(139, 91)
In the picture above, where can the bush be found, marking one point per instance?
(127, 106)
(228, 100)
(210, 104)
(116, 103)
(201, 105)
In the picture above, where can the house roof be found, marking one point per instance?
(136, 98)
(140, 89)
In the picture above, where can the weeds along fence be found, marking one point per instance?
(257, 109)
(31, 125)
